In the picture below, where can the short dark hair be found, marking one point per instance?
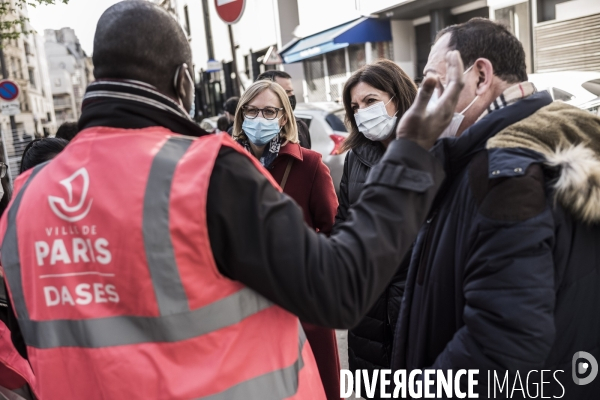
(231, 105)
(223, 124)
(67, 131)
(272, 74)
(41, 150)
(482, 38)
(141, 41)
(383, 75)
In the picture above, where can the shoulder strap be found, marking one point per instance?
(286, 173)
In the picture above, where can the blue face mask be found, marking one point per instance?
(260, 131)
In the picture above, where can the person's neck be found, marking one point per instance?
(257, 151)
(386, 142)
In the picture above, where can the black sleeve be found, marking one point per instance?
(303, 134)
(259, 238)
(343, 199)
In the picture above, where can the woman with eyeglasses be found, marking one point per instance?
(266, 127)
(375, 98)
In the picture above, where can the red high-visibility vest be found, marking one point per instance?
(109, 268)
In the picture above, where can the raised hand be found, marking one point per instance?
(425, 127)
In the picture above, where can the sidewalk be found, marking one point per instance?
(342, 340)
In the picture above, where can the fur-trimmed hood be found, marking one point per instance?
(569, 138)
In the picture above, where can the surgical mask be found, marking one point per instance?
(374, 121)
(293, 101)
(261, 131)
(457, 118)
(193, 110)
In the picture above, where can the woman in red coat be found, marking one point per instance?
(265, 125)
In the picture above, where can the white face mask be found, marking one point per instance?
(457, 118)
(374, 121)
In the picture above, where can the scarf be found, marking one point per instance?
(510, 96)
(271, 150)
(131, 104)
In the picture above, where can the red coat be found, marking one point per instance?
(309, 184)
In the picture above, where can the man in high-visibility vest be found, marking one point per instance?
(141, 263)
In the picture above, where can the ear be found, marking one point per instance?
(184, 86)
(485, 75)
(283, 120)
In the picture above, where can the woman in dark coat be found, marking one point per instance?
(265, 125)
(375, 98)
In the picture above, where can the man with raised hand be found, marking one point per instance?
(504, 275)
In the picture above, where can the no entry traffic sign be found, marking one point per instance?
(9, 90)
(230, 11)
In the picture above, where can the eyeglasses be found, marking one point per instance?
(3, 169)
(251, 112)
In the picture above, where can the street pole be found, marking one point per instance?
(234, 57)
(13, 126)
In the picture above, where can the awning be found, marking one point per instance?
(361, 30)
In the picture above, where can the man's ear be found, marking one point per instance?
(184, 86)
(485, 75)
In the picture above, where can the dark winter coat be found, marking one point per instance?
(503, 276)
(370, 342)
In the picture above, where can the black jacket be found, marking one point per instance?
(501, 277)
(303, 134)
(369, 342)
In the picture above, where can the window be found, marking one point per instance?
(546, 9)
(336, 63)
(313, 69)
(32, 77)
(335, 122)
(13, 67)
(382, 50)
(516, 19)
(357, 56)
(187, 20)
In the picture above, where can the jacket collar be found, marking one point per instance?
(369, 153)
(292, 150)
(456, 153)
(133, 105)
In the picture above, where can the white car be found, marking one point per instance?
(578, 88)
(327, 132)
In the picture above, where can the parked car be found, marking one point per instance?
(209, 124)
(578, 88)
(327, 132)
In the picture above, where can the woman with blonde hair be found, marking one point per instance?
(266, 127)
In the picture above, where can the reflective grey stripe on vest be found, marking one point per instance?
(125, 330)
(166, 280)
(117, 331)
(11, 261)
(276, 385)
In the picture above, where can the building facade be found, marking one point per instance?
(25, 63)
(322, 43)
(70, 72)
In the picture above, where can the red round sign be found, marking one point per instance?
(230, 11)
